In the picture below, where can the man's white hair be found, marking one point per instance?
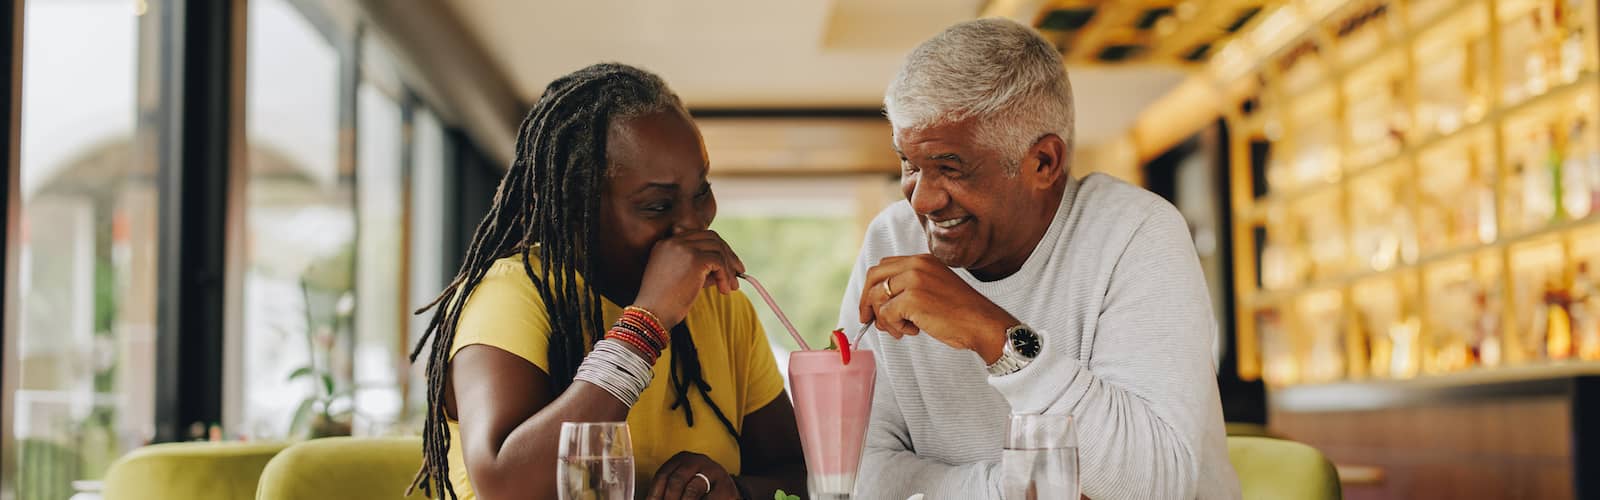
(999, 72)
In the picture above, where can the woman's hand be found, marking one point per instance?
(680, 267)
(677, 479)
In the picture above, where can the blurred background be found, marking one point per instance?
(220, 214)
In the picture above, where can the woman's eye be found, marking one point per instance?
(658, 207)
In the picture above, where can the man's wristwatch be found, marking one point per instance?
(1022, 345)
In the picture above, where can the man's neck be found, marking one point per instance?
(1004, 268)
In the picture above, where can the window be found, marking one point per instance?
(88, 250)
(346, 198)
(380, 296)
(775, 223)
(299, 299)
(428, 268)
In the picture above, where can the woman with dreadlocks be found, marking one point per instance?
(606, 205)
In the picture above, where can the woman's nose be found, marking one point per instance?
(688, 221)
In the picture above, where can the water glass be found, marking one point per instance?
(1040, 459)
(594, 461)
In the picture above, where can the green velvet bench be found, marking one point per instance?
(190, 471)
(1275, 468)
(343, 467)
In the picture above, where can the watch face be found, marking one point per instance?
(1025, 342)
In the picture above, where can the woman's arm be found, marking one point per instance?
(509, 423)
(769, 445)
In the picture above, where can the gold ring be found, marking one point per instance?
(706, 479)
(886, 288)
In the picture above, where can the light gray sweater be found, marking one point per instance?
(1115, 290)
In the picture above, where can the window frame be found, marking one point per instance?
(199, 66)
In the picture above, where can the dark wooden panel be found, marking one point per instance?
(1485, 449)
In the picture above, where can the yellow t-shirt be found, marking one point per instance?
(505, 311)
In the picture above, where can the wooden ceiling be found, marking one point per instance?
(1168, 32)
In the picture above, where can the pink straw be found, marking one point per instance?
(774, 305)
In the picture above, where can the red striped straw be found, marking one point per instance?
(774, 305)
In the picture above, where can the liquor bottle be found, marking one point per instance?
(1585, 313)
(1572, 56)
(1538, 185)
(1486, 341)
(1479, 54)
(1575, 173)
(1278, 363)
(1557, 343)
(1582, 145)
(1534, 67)
(1487, 222)
(1553, 164)
(1568, 18)
(1513, 70)
(1530, 300)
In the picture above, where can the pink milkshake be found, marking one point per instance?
(832, 404)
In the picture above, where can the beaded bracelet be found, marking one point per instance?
(650, 353)
(643, 333)
(645, 323)
(653, 321)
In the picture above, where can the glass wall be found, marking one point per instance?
(298, 300)
(817, 223)
(380, 293)
(88, 242)
(428, 269)
(346, 199)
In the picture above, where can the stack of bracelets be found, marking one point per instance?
(640, 329)
(618, 370)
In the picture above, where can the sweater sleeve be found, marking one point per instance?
(1140, 403)
(890, 467)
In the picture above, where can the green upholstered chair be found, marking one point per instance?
(1247, 429)
(1276, 468)
(185, 471)
(343, 467)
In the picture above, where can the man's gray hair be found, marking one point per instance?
(999, 72)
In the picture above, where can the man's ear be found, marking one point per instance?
(1046, 162)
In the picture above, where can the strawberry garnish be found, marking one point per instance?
(843, 343)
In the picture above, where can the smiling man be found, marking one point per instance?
(1002, 284)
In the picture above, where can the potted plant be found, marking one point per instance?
(329, 409)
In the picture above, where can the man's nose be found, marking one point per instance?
(927, 196)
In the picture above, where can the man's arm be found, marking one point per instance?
(1141, 406)
(890, 467)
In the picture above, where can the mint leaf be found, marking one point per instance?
(833, 339)
(780, 495)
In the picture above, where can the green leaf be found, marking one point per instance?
(327, 383)
(300, 372)
(343, 393)
(780, 495)
(301, 413)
